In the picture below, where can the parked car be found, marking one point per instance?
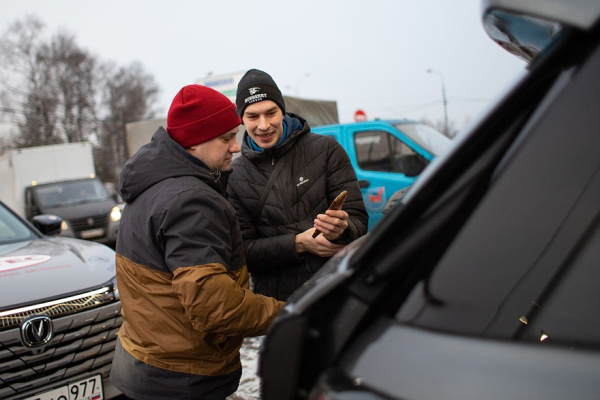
(59, 312)
(60, 179)
(483, 282)
(387, 156)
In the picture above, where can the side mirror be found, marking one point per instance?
(363, 183)
(48, 224)
(31, 211)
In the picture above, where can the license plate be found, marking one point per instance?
(86, 389)
(92, 233)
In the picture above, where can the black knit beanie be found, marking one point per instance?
(257, 86)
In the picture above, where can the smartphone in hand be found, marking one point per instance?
(336, 204)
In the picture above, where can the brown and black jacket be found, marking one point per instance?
(181, 269)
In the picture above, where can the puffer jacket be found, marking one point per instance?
(181, 270)
(317, 169)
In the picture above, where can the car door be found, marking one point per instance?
(386, 162)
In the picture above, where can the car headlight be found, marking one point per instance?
(115, 288)
(115, 214)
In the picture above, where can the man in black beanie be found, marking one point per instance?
(281, 188)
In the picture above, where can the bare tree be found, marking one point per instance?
(56, 92)
(72, 73)
(27, 97)
(130, 94)
(48, 89)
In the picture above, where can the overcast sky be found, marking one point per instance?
(369, 55)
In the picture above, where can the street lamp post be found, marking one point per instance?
(297, 88)
(431, 71)
(306, 75)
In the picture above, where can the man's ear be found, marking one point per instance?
(191, 149)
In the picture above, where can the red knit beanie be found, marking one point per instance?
(199, 114)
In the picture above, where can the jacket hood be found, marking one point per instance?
(158, 160)
(298, 127)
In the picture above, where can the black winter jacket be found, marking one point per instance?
(317, 169)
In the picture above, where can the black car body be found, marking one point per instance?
(483, 283)
(59, 312)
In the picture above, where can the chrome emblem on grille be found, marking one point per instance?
(90, 221)
(36, 331)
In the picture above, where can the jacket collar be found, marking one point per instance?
(161, 159)
(296, 126)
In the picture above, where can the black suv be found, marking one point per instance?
(60, 312)
(483, 283)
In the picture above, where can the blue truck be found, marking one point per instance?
(387, 155)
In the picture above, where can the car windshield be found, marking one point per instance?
(429, 138)
(69, 193)
(12, 229)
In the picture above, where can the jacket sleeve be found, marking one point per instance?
(215, 302)
(266, 254)
(341, 176)
(196, 234)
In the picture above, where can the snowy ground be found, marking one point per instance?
(249, 388)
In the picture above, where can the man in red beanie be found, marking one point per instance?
(181, 269)
(295, 175)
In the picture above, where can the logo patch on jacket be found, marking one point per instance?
(302, 181)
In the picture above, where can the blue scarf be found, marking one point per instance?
(286, 133)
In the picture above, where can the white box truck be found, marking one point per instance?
(61, 180)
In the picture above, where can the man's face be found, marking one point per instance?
(217, 153)
(264, 123)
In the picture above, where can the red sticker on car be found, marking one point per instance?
(16, 262)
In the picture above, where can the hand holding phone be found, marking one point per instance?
(336, 204)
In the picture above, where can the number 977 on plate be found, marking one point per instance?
(86, 389)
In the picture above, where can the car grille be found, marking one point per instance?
(85, 333)
(83, 224)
